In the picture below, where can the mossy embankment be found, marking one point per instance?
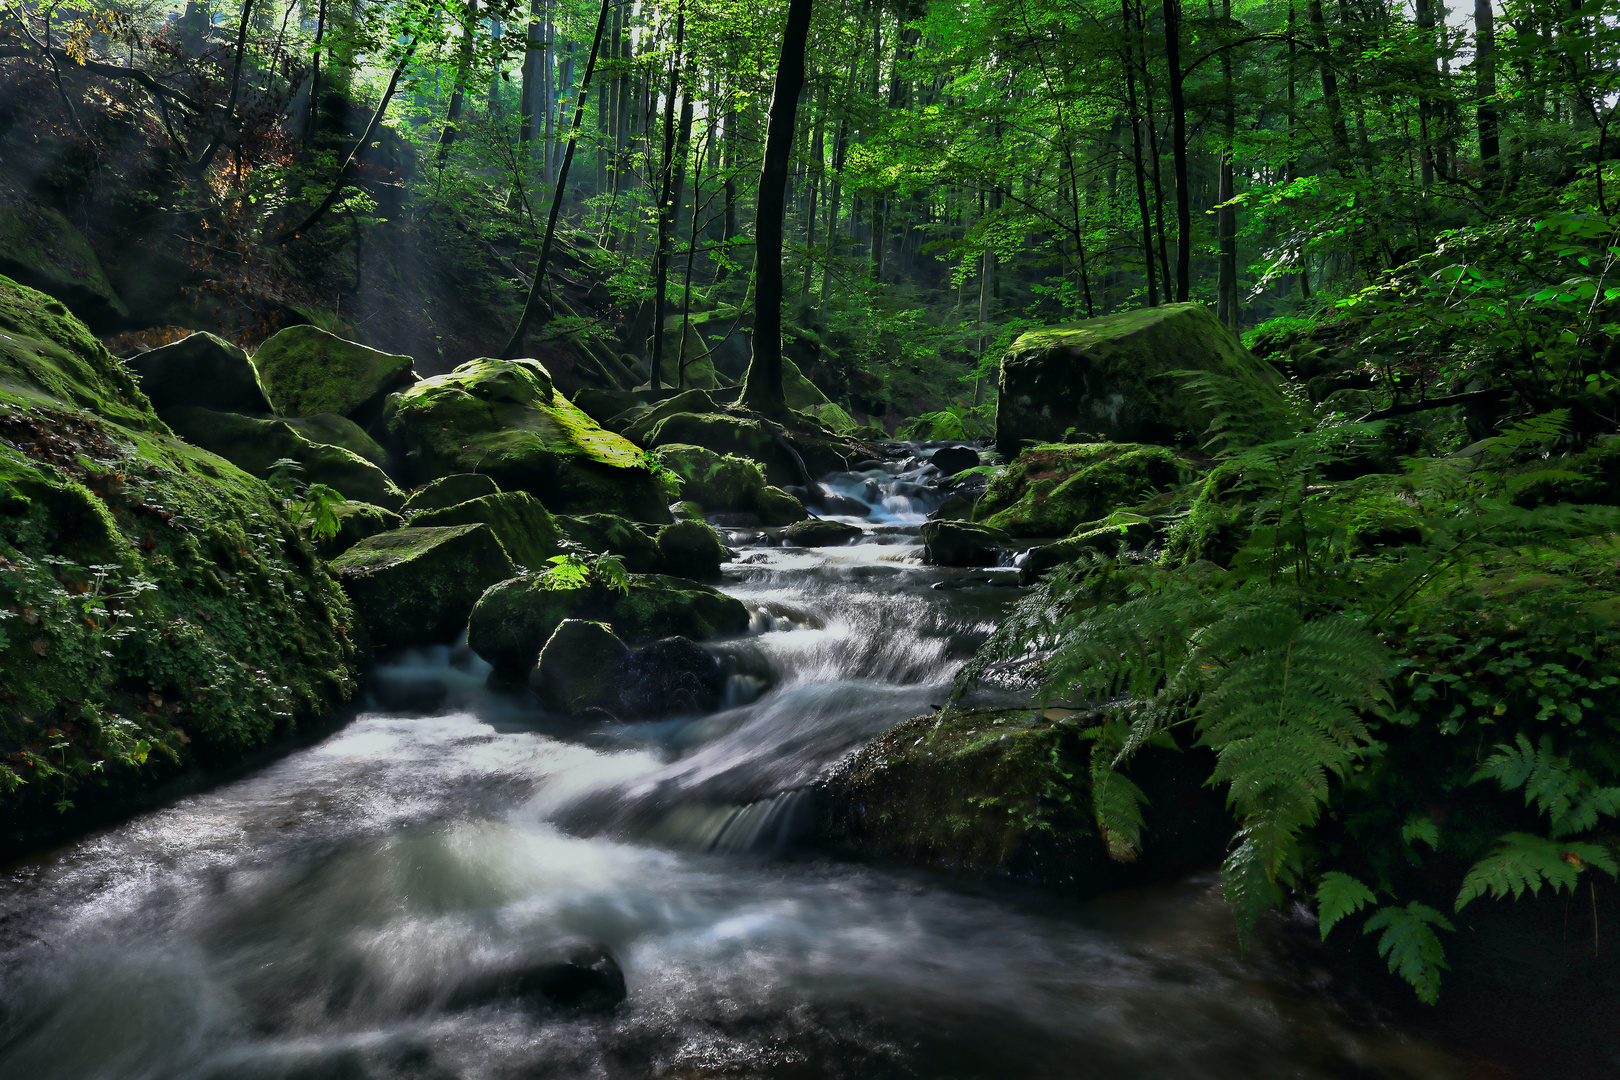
(158, 610)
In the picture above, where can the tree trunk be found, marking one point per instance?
(1178, 149)
(1425, 96)
(1226, 286)
(458, 92)
(666, 197)
(1485, 86)
(762, 383)
(1330, 81)
(1141, 170)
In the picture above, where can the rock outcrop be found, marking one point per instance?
(528, 533)
(202, 370)
(306, 370)
(417, 586)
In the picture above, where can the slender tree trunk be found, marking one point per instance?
(1226, 288)
(666, 200)
(1330, 81)
(1490, 148)
(458, 92)
(1178, 149)
(1140, 167)
(532, 302)
(762, 382)
(1425, 96)
(312, 124)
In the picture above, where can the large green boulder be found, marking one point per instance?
(690, 549)
(160, 609)
(822, 532)
(255, 445)
(528, 533)
(201, 370)
(961, 543)
(334, 430)
(417, 586)
(515, 618)
(777, 507)
(637, 422)
(306, 370)
(723, 433)
(504, 419)
(450, 490)
(1052, 488)
(717, 481)
(356, 521)
(41, 249)
(610, 534)
(1110, 377)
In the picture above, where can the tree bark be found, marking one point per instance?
(762, 382)
(666, 200)
(1178, 149)
(1490, 148)
(458, 92)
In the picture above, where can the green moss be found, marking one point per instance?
(333, 430)
(417, 585)
(356, 521)
(777, 507)
(820, 532)
(450, 490)
(717, 481)
(528, 533)
(690, 549)
(515, 618)
(41, 244)
(1052, 488)
(610, 534)
(502, 418)
(307, 370)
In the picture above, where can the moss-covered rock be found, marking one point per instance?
(202, 370)
(356, 521)
(306, 370)
(255, 445)
(417, 586)
(523, 526)
(515, 618)
(604, 405)
(450, 490)
(49, 356)
(776, 507)
(580, 667)
(1110, 376)
(503, 418)
(725, 434)
(687, 510)
(610, 534)
(1052, 488)
(821, 532)
(1004, 793)
(961, 543)
(690, 549)
(157, 607)
(717, 481)
(333, 430)
(41, 249)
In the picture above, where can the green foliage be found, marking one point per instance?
(571, 570)
(1338, 895)
(1523, 863)
(1411, 946)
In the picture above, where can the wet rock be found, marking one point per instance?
(514, 619)
(357, 521)
(450, 490)
(950, 460)
(201, 370)
(581, 667)
(672, 676)
(1050, 490)
(687, 511)
(734, 520)
(579, 976)
(833, 503)
(717, 481)
(528, 533)
(818, 532)
(417, 586)
(954, 508)
(962, 543)
(306, 370)
(690, 549)
(255, 445)
(776, 507)
(609, 534)
(1108, 375)
(502, 418)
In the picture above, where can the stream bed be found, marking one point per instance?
(320, 917)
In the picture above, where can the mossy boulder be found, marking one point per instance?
(417, 586)
(334, 430)
(962, 543)
(610, 534)
(580, 667)
(201, 370)
(690, 549)
(585, 669)
(306, 370)
(161, 609)
(717, 481)
(450, 490)
(255, 445)
(1110, 376)
(356, 521)
(48, 355)
(725, 434)
(515, 618)
(528, 533)
(1052, 488)
(642, 419)
(687, 510)
(821, 532)
(776, 507)
(503, 418)
(41, 249)
(1005, 793)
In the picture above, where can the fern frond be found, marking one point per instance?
(1247, 882)
(1594, 804)
(1411, 946)
(1339, 895)
(1421, 828)
(1545, 775)
(1117, 804)
(1523, 863)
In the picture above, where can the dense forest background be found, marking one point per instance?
(960, 173)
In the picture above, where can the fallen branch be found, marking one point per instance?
(1438, 403)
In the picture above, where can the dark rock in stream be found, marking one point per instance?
(580, 976)
(585, 670)
(962, 543)
(950, 460)
(818, 532)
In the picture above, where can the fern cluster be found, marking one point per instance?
(1281, 663)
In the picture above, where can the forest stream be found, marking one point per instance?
(325, 915)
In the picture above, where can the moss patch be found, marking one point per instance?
(1052, 488)
(306, 370)
(416, 586)
(528, 533)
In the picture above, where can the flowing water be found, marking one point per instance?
(317, 918)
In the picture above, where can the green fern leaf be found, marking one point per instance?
(1424, 829)
(1545, 775)
(1594, 804)
(1117, 804)
(1339, 895)
(1411, 946)
(1522, 863)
